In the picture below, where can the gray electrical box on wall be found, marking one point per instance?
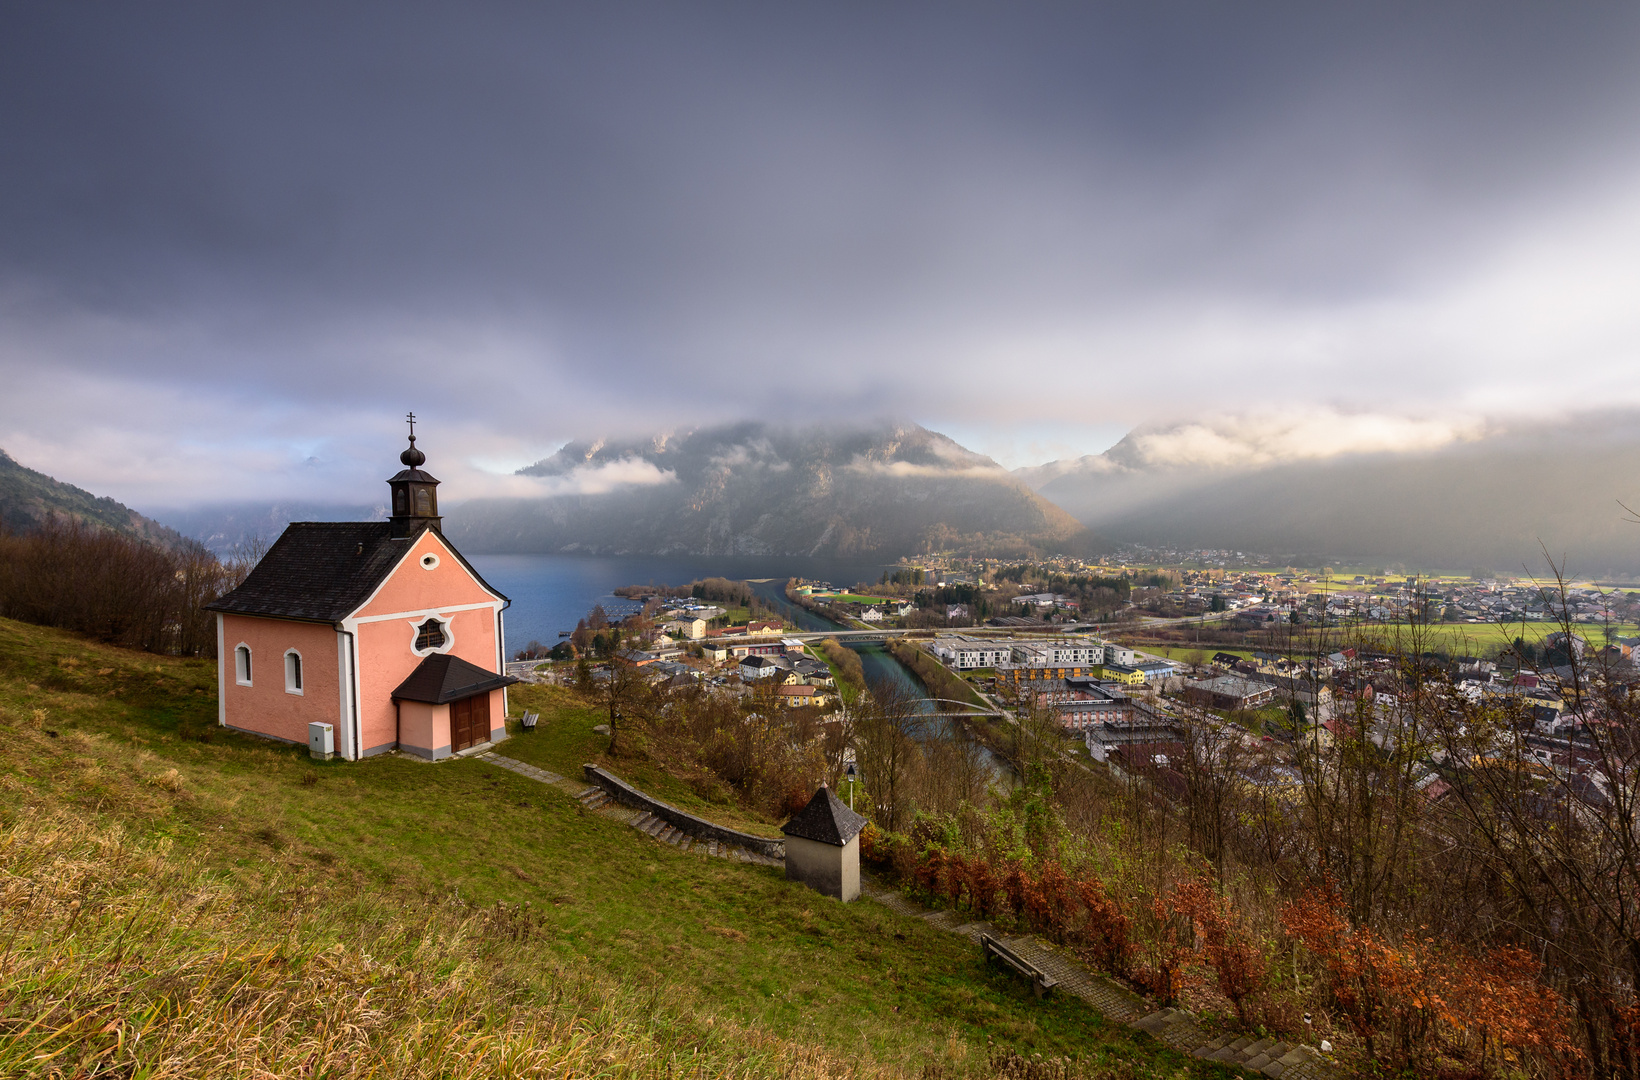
(321, 742)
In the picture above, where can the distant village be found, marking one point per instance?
(1042, 639)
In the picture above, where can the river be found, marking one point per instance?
(551, 592)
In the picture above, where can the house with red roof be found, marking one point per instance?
(379, 629)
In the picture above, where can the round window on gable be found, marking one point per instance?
(429, 561)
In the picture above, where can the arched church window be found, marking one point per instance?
(430, 635)
(398, 501)
(424, 502)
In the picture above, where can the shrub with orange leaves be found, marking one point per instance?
(1166, 954)
(929, 872)
(1015, 884)
(1230, 950)
(954, 879)
(1049, 901)
(1426, 996)
(871, 845)
(983, 887)
(1107, 931)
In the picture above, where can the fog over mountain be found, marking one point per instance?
(228, 526)
(763, 489)
(1458, 495)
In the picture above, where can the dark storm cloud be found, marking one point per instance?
(284, 224)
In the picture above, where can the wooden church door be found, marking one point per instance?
(469, 721)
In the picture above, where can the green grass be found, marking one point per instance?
(118, 737)
(1183, 653)
(1487, 638)
(852, 598)
(846, 692)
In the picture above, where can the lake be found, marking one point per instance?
(551, 592)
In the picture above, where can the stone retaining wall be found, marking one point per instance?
(689, 824)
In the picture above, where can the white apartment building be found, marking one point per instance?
(1063, 653)
(966, 653)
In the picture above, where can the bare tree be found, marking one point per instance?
(1555, 824)
(621, 695)
(886, 715)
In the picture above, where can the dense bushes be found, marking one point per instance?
(846, 661)
(114, 587)
(1410, 1001)
(751, 749)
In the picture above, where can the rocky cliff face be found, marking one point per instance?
(761, 489)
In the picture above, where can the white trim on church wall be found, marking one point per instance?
(351, 735)
(446, 624)
(342, 685)
(422, 613)
(439, 539)
(221, 676)
(293, 673)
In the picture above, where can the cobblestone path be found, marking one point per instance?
(1175, 1027)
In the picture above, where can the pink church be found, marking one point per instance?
(378, 628)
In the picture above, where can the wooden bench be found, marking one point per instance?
(528, 722)
(1041, 982)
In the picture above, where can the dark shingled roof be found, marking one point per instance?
(322, 571)
(825, 820)
(442, 678)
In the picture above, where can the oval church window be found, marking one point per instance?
(430, 635)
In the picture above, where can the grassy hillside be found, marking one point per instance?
(176, 893)
(28, 497)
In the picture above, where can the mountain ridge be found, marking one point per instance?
(750, 488)
(29, 498)
(1494, 498)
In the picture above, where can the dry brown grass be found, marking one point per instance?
(123, 959)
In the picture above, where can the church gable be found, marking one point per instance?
(431, 574)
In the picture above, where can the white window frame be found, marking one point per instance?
(445, 623)
(242, 675)
(429, 560)
(295, 679)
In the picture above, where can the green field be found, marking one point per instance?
(851, 598)
(1481, 638)
(129, 741)
(1183, 653)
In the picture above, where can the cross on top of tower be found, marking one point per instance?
(412, 457)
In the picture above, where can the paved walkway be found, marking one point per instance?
(1175, 1027)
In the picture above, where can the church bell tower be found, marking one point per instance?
(415, 493)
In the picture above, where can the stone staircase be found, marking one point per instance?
(598, 800)
(1271, 1057)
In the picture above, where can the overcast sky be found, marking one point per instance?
(238, 242)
